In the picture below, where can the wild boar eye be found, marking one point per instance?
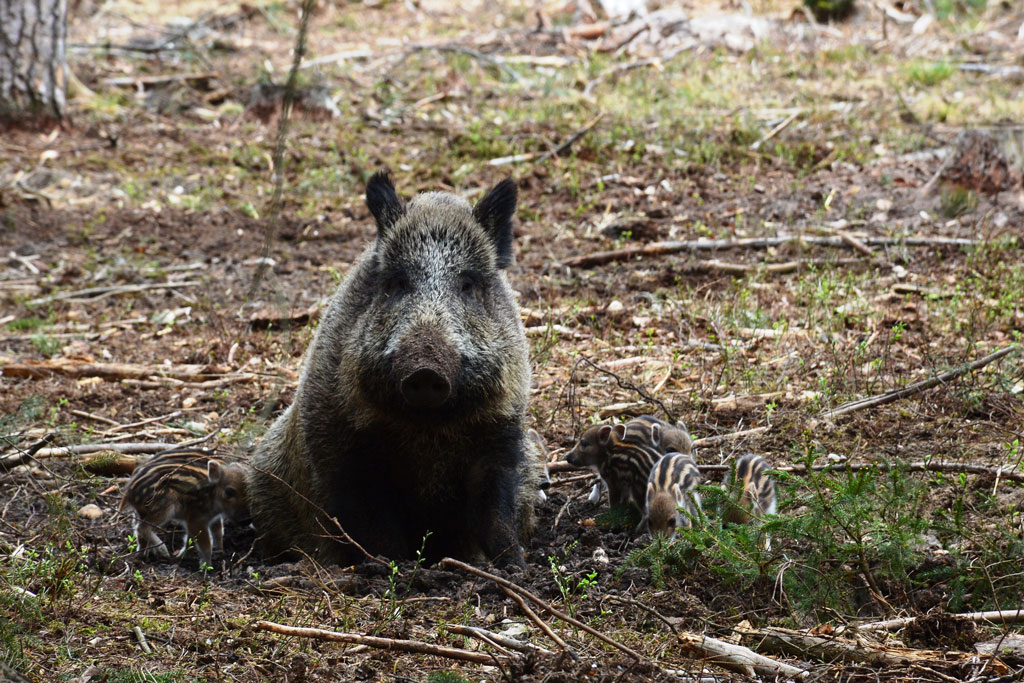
(396, 283)
(468, 285)
(230, 493)
(671, 524)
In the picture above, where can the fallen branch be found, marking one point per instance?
(503, 640)
(998, 617)
(776, 130)
(572, 139)
(141, 637)
(917, 387)
(91, 416)
(97, 293)
(541, 624)
(160, 418)
(449, 562)
(719, 438)
(663, 248)
(1001, 472)
(536, 156)
(13, 460)
(475, 54)
(70, 367)
(389, 644)
(157, 79)
(832, 649)
(83, 449)
(720, 653)
(736, 657)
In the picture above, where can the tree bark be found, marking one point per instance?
(33, 63)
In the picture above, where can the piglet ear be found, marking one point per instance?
(620, 431)
(656, 435)
(677, 492)
(604, 434)
(383, 201)
(215, 471)
(494, 212)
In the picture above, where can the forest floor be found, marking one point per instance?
(131, 310)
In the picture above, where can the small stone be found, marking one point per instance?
(884, 204)
(514, 629)
(615, 307)
(600, 556)
(90, 511)
(189, 402)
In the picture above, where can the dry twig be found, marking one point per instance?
(663, 248)
(500, 639)
(832, 649)
(541, 624)
(998, 617)
(917, 387)
(1001, 472)
(97, 293)
(389, 644)
(450, 562)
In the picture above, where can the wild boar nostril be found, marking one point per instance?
(425, 388)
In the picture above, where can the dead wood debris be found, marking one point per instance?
(833, 649)
(917, 387)
(522, 592)
(541, 624)
(500, 639)
(664, 248)
(720, 653)
(194, 375)
(389, 644)
(97, 293)
(1002, 472)
(996, 617)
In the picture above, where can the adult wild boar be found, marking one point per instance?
(409, 414)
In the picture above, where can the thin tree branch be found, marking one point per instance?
(917, 387)
(450, 562)
(389, 644)
(663, 248)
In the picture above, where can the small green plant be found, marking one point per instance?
(957, 201)
(446, 677)
(573, 591)
(391, 604)
(927, 74)
(47, 346)
(27, 324)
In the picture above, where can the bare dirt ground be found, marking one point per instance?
(134, 236)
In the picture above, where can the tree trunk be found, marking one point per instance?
(33, 65)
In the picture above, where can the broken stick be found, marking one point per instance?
(390, 644)
(916, 387)
(500, 639)
(450, 562)
(999, 617)
(663, 248)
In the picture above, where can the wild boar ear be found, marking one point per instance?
(494, 212)
(656, 435)
(214, 471)
(620, 431)
(383, 201)
(604, 434)
(677, 492)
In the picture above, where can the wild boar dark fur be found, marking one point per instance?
(409, 414)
